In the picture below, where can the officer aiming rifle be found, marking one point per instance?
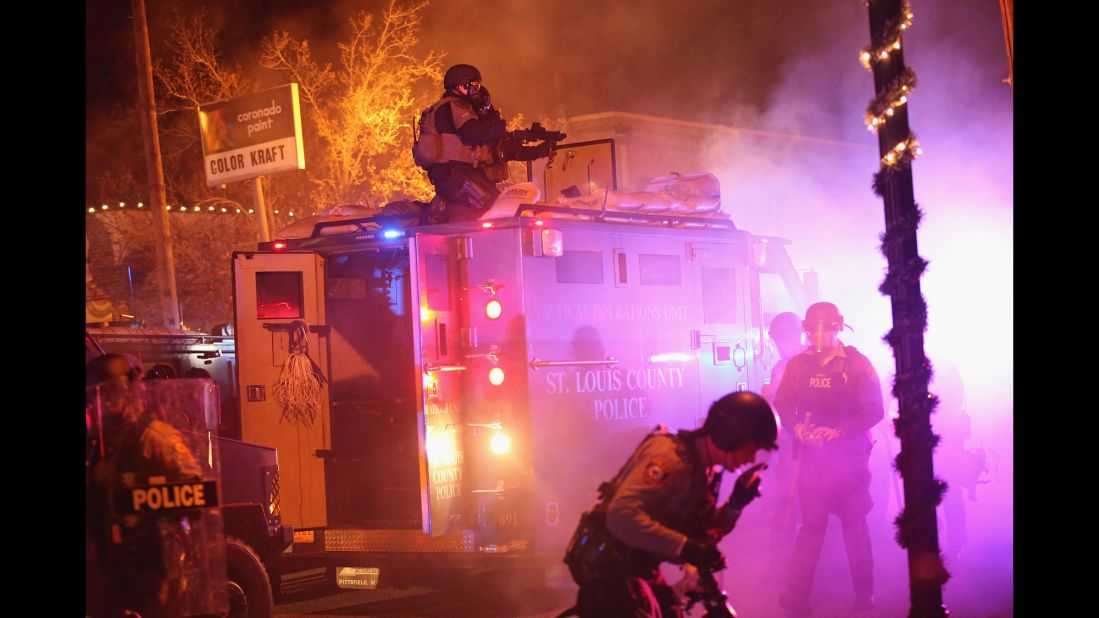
(464, 145)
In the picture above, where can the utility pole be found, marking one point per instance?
(1007, 14)
(916, 526)
(162, 232)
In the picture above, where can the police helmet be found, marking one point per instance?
(109, 368)
(460, 74)
(823, 313)
(160, 371)
(785, 323)
(739, 418)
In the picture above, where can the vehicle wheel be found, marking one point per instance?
(249, 586)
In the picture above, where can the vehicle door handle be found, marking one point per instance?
(443, 367)
(538, 364)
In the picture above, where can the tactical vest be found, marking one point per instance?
(432, 148)
(594, 552)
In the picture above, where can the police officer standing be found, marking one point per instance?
(147, 563)
(662, 506)
(830, 398)
(458, 145)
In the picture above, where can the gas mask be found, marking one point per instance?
(479, 98)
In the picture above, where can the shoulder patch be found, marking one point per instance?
(655, 472)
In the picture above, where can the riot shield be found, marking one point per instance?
(154, 525)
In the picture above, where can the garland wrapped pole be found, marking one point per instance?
(917, 529)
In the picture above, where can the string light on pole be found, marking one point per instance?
(892, 35)
(903, 153)
(894, 95)
(882, 106)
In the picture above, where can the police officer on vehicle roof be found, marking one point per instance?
(830, 398)
(662, 506)
(457, 141)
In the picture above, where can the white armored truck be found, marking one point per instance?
(478, 380)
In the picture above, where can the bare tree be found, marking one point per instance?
(362, 112)
(358, 137)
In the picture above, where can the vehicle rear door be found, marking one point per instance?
(276, 294)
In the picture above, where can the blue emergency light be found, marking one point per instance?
(387, 234)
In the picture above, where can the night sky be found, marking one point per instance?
(720, 61)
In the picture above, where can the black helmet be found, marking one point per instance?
(160, 371)
(739, 418)
(460, 74)
(823, 313)
(785, 323)
(109, 369)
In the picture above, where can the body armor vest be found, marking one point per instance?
(432, 148)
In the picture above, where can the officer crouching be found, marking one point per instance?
(662, 505)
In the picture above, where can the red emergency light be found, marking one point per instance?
(279, 245)
(496, 376)
(486, 224)
(500, 443)
(493, 309)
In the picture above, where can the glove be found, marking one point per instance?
(541, 150)
(514, 150)
(703, 554)
(815, 435)
(746, 488)
(824, 434)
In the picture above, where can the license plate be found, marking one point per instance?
(358, 578)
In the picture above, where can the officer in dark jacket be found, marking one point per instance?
(830, 398)
(662, 506)
(455, 135)
(458, 143)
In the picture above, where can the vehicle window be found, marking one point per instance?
(279, 295)
(580, 267)
(660, 269)
(719, 295)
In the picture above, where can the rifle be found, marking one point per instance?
(513, 146)
(712, 597)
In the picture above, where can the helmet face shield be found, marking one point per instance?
(821, 335)
(822, 323)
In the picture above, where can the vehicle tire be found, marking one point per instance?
(249, 585)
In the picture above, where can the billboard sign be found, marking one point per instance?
(252, 135)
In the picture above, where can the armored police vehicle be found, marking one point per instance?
(473, 382)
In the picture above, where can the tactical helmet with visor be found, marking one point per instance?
(822, 324)
(462, 77)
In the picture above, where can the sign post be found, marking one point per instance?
(251, 136)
